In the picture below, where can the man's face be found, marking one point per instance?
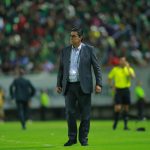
(75, 39)
(122, 61)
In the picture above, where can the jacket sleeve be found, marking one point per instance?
(96, 67)
(60, 71)
(11, 90)
(32, 89)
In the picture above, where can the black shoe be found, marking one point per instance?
(84, 144)
(24, 127)
(114, 126)
(70, 142)
(126, 128)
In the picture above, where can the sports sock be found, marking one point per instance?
(116, 118)
(125, 118)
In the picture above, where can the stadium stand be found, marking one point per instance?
(35, 29)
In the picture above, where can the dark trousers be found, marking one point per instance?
(75, 97)
(140, 107)
(22, 108)
(43, 113)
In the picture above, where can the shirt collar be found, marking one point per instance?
(79, 47)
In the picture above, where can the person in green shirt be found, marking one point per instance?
(140, 96)
(119, 78)
(45, 99)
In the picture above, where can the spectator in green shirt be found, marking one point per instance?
(140, 96)
(45, 99)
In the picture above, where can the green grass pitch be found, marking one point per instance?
(51, 135)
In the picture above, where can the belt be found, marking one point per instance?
(74, 82)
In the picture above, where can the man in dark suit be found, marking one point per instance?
(75, 82)
(22, 90)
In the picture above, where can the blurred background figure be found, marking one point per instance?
(22, 90)
(45, 101)
(2, 100)
(140, 96)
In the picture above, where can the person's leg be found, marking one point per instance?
(126, 103)
(70, 102)
(117, 107)
(25, 112)
(2, 114)
(42, 113)
(117, 110)
(21, 113)
(125, 116)
(84, 102)
(140, 109)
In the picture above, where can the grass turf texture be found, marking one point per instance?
(53, 134)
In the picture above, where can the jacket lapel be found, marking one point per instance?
(81, 54)
(68, 54)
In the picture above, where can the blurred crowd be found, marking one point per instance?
(32, 32)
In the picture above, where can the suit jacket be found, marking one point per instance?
(88, 60)
(21, 89)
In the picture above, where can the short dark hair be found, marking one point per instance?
(78, 30)
(21, 71)
(121, 56)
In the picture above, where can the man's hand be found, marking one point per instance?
(127, 64)
(98, 89)
(59, 90)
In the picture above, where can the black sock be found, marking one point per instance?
(125, 118)
(116, 118)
